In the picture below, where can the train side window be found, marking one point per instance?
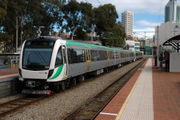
(103, 55)
(59, 58)
(95, 55)
(70, 55)
(75, 55)
(80, 55)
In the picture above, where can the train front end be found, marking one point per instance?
(35, 66)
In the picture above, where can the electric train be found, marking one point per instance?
(50, 63)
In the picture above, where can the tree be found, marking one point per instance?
(111, 33)
(28, 15)
(80, 34)
(3, 9)
(116, 36)
(105, 18)
(77, 16)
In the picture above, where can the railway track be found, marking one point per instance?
(13, 105)
(86, 112)
(94, 106)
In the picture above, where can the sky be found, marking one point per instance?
(147, 13)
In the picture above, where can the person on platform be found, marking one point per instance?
(161, 60)
(166, 58)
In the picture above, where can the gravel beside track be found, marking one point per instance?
(9, 98)
(59, 105)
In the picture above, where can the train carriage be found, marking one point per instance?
(50, 62)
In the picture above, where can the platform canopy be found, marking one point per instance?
(174, 42)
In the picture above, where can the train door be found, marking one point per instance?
(87, 59)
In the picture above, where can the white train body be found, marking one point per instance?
(49, 62)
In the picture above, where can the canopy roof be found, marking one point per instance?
(174, 42)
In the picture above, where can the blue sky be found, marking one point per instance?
(147, 13)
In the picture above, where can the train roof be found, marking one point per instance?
(75, 43)
(69, 42)
(49, 38)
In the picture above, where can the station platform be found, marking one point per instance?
(150, 94)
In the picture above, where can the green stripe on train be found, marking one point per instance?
(58, 72)
(68, 42)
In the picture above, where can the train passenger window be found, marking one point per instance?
(123, 55)
(95, 55)
(111, 54)
(80, 55)
(59, 58)
(116, 55)
(75, 55)
(103, 55)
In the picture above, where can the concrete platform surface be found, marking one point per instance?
(150, 94)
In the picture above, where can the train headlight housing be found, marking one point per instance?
(50, 73)
(20, 73)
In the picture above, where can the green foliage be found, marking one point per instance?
(110, 32)
(77, 15)
(67, 17)
(80, 34)
(30, 15)
(105, 17)
(115, 37)
(3, 9)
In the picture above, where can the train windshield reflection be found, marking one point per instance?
(36, 58)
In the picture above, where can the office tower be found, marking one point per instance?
(172, 11)
(127, 22)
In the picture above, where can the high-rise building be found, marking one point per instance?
(127, 22)
(172, 11)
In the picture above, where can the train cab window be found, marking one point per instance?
(59, 58)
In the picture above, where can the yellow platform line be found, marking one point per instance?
(127, 99)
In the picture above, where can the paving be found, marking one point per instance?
(151, 94)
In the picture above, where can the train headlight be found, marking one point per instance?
(50, 73)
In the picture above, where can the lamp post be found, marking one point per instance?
(39, 30)
(72, 37)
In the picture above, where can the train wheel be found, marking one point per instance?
(67, 83)
(74, 82)
(56, 88)
(81, 78)
(63, 85)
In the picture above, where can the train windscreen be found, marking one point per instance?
(37, 55)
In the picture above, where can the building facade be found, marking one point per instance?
(166, 31)
(172, 11)
(127, 22)
(133, 46)
(163, 33)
